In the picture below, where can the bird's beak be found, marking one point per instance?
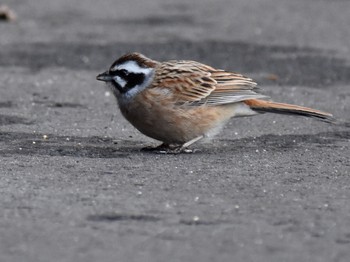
(105, 76)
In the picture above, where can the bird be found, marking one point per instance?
(179, 102)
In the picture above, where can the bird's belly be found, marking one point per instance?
(174, 124)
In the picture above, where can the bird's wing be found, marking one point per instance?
(196, 83)
(232, 87)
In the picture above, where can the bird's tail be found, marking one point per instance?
(263, 106)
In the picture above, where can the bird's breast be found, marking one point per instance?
(156, 114)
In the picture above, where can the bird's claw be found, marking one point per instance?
(168, 149)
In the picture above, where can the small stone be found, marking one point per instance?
(6, 14)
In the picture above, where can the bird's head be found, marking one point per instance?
(129, 74)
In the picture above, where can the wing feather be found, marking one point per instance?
(197, 84)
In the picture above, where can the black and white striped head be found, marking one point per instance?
(129, 74)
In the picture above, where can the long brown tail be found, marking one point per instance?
(263, 106)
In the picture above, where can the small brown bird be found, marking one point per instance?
(180, 102)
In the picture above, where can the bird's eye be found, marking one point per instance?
(123, 73)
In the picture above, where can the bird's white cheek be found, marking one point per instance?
(120, 81)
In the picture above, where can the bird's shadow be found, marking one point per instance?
(21, 143)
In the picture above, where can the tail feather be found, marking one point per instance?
(263, 106)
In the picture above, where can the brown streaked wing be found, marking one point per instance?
(189, 81)
(231, 88)
(198, 83)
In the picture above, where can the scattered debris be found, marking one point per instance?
(6, 14)
(272, 77)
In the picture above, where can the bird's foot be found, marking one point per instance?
(168, 149)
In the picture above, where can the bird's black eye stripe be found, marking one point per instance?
(134, 79)
(131, 79)
(122, 73)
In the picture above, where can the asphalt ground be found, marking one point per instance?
(74, 185)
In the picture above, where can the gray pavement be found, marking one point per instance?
(74, 185)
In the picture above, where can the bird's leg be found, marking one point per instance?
(176, 149)
(173, 148)
(184, 148)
